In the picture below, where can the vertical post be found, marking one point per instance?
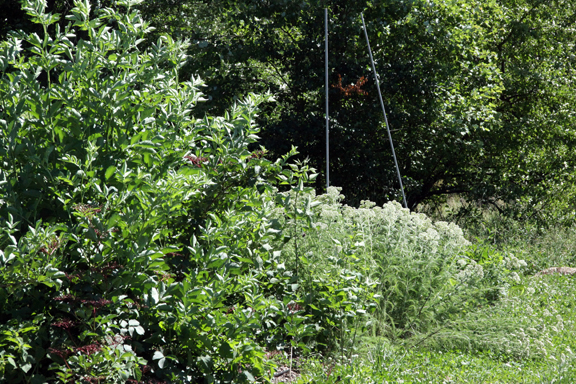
(326, 86)
(384, 112)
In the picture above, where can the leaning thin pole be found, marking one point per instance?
(384, 112)
(326, 86)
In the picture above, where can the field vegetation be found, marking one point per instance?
(146, 238)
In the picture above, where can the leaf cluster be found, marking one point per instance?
(478, 93)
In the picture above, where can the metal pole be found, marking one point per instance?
(384, 112)
(326, 86)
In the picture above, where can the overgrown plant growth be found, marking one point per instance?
(134, 238)
(139, 244)
(416, 275)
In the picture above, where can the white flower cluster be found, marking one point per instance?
(374, 234)
(469, 270)
(330, 212)
(530, 341)
(512, 262)
(393, 226)
(331, 197)
(552, 316)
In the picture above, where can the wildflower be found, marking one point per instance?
(560, 324)
(65, 298)
(330, 212)
(97, 303)
(294, 307)
(514, 277)
(367, 204)
(73, 277)
(197, 161)
(512, 262)
(116, 339)
(333, 195)
(472, 270)
(62, 353)
(258, 154)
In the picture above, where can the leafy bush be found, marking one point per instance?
(417, 270)
(134, 237)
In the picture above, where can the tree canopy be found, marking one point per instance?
(478, 92)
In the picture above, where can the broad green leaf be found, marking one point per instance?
(110, 171)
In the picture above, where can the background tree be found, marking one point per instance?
(477, 92)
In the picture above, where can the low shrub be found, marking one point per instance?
(414, 273)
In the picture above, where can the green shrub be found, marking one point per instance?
(412, 272)
(134, 239)
(404, 274)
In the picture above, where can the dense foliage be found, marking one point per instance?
(478, 92)
(140, 243)
(132, 234)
